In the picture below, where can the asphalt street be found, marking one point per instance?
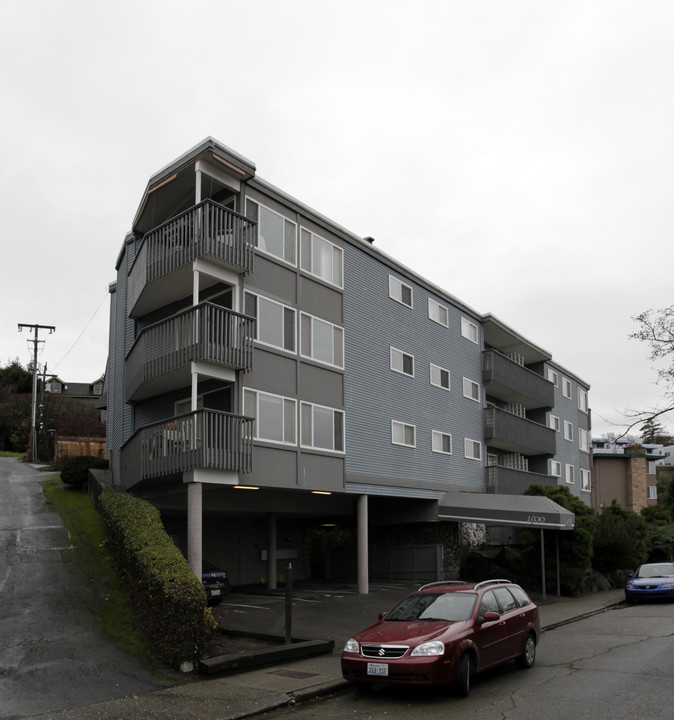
(52, 654)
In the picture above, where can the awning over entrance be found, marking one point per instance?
(520, 510)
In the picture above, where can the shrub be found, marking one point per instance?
(169, 601)
(76, 470)
(620, 539)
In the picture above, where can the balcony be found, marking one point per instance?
(513, 383)
(162, 269)
(160, 359)
(516, 434)
(206, 439)
(508, 481)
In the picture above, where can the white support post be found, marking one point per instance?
(363, 566)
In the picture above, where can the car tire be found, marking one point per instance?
(462, 676)
(528, 656)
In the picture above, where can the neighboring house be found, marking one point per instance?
(625, 473)
(271, 374)
(89, 393)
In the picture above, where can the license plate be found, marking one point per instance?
(215, 592)
(380, 669)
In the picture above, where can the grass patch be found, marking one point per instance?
(7, 453)
(113, 609)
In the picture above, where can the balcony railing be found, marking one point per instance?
(509, 481)
(206, 332)
(510, 432)
(508, 381)
(207, 230)
(205, 439)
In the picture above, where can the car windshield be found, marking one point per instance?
(447, 607)
(651, 571)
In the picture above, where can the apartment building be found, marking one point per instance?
(271, 373)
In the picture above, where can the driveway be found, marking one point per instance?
(52, 654)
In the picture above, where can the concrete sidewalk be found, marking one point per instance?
(257, 690)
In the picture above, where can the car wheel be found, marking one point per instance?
(462, 676)
(528, 656)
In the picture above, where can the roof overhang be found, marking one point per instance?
(532, 511)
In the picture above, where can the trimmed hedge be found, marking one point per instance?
(76, 470)
(169, 601)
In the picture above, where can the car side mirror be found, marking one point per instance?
(489, 617)
(381, 615)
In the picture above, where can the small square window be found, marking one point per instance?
(472, 449)
(469, 330)
(402, 362)
(439, 377)
(442, 442)
(403, 434)
(399, 291)
(553, 377)
(555, 468)
(438, 313)
(471, 389)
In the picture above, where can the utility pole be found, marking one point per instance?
(35, 329)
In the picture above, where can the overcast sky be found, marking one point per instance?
(518, 154)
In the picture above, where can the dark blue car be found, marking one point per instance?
(651, 581)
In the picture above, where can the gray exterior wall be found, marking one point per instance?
(375, 395)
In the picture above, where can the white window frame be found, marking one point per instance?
(308, 429)
(568, 431)
(555, 468)
(337, 340)
(570, 474)
(436, 311)
(309, 240)
(553, 377)
(288, 430)
(469, 446)
(585, 480)
(263, 301)
(582, 400)
(289, 243)
(437, 381)
(395, 291)
(555, 423)
(397, 425)
(468, 386)
(567, 388)
(470, 330)
(652, 492)
(438, 441)
(398, 361)
(583, 440)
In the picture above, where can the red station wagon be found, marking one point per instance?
(443, 634)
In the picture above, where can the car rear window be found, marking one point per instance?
(506, 599)
(521, 597)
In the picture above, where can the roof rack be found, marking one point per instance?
(497, 581)
(442, 582)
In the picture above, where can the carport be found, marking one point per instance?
(531, 511)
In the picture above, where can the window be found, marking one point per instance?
(570, 474)
(276, 234)
(322, 427)
(182, 407)
(321, 258)
(471, 389)
(321, 341)
(582, 400)
(439, 377)
(469, 330)
(472, 449)
(438, 313)
(555, 423)
(399, 291)
(402, 362)
(555, 468)
(650, 467)
(553, 377)
(568, 430)
(566, 388)
(441, 442)
(584, 440)
(585, 480)
(274, 416)
(98, 388)
(652, 492)
(275, 322)
(403, 434)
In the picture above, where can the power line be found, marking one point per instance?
(82, 333)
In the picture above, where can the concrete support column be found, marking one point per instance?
(271, 551)
(194, 527)
(363, 565)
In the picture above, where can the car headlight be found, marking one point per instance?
(667, 585)
(630, 585)
(352, 646)
(429, 648)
